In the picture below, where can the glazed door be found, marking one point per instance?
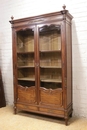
(26, 75)
(50, 90)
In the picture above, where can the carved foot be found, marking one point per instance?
(70, 115)
(66, 122)
(15, 110)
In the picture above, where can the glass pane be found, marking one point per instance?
(50, 57)
(50, 38)
(25, 58)
(25, 41)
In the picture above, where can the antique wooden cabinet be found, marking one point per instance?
(42, 64)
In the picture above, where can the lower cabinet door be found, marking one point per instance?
(49, 97)
(27, 95)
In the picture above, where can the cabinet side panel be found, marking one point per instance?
(69, 63)
(14, 64)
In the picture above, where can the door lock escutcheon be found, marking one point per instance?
(37, 65)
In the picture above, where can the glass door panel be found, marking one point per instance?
(50, 57)
(25, 41)
(25, 58)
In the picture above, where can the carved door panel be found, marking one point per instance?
(50, 97)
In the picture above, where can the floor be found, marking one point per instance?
(27, 121)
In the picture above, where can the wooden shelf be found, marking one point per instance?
(19, 67)
(55, 67)
(49, 51)
(27, 79)
(52, 80)
(29, 52)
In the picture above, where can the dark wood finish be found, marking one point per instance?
(42, 64)
(2, 96)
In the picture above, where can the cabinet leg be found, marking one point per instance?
(66, 121)
(70, 115)
(15, 110)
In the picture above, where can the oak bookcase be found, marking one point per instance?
(42, 64)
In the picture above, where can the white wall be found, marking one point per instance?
(26, 8)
